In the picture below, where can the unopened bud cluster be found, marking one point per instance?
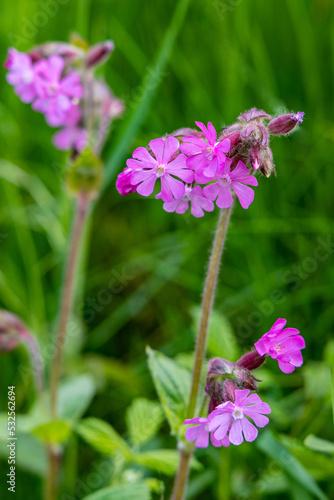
(228, 386)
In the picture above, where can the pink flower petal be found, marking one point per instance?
(158, 146)
(244, 194)
(171, 188)
(235, 434)
(225, 198)
(143, 155)
(285, 367)
(171, 146)
(146, 187)
(249, 430)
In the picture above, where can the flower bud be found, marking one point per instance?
(285, 123)
(99, 53)
(235, 141)
(229, 390)
(251, 360)
(253, 114)
(85, 175)
(182, 132)
(219, 366)
(11, 331)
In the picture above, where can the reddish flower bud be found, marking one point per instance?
(219, 366)
(99, 53)
(285, 123)
(11, 331)
(251, 360)
(182, 132)
(229, 390)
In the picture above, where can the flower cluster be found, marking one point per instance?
(58, 80)
(229, 384)
(197, 168)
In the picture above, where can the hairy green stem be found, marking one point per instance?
(68, 296)
(207, 303)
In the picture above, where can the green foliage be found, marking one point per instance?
(103, 437)
(136, 491)
(172, 383)
(53, 432)
(227, 57)
(163, 461)
(143, 419)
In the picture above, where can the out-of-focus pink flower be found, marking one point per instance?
(283, 345)
(123, 183)
(21, 74)
(147, 169)
(205, 157)
(235, 180)
(200, 433)
(55, 94)
(231, 418)
(194, 196)
(73, 135)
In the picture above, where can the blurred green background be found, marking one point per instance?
(227, 56)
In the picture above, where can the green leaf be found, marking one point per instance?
(291, 466)
(317, 444)
(103, 437)
(53, 432)
(221, 338)
(75, 395)
(172, 383)
(143, 419)
(136, 491)
(163, 461)
(30, 454)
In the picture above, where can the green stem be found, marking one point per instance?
(207, 303)
(68, 296)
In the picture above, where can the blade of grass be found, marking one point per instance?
(150, 84)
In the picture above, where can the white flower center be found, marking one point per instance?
(160, 171)
(238, 413)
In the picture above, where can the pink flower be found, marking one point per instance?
(197, 200)
(205, 157)
(147, 169)
(21, 74)
(235, 180)
(55, 94)
(231, 418)
(123, 183)
(283, 345)
(73, 135)
(200, 433)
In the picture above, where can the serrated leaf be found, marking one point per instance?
(317, 444)
(143, 420)
(53, 432)
(291, 466)
(172, 383)
(75, 395)
(103, 437)
(163, 461)
(30, 454)
(221, 338)
(136, 491)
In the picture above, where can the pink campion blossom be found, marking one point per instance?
(227, 180)
(73, 135)
(123, 183)
(231, 418)
(163, 165)
(283, 345)
(194, 196)
(205, 157)
(55, 94)
(21, 74)
(200, 433)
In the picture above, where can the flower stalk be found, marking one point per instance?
(200, 351)
(82, 207)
